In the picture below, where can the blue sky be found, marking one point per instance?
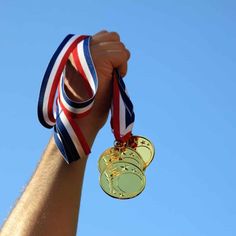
(181, 80)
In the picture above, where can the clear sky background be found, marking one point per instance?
(182, 81)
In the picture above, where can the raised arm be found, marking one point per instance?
(50, 203)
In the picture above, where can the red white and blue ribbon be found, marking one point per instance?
(57, 110)
(122, 118)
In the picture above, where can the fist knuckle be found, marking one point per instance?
(127, 53)
(115, 36)
(122, 46)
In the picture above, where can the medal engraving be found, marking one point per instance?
(115, 154)
(122, 180)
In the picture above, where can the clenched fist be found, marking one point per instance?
(108, 53)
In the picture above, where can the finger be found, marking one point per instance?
(117, 57)
(106, 46)
(100, 32)
(123, 69)
(105, 37)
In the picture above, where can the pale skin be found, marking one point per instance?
(50, 203)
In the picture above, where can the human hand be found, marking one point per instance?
(108, 53)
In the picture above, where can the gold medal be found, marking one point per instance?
(122, 167)
(115, 154)
(144, 147)
(107, 157)
(122, 180)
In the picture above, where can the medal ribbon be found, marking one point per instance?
(56, 110)
(122, 118)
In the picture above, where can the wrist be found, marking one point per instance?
(88, 128)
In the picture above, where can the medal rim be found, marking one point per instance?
(148, 140)
(140, 160)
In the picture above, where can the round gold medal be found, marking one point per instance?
(122, 180)
(114, 154)
(144, 147)
(107, 157)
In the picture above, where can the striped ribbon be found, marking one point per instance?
(56, 110)
(122, 118)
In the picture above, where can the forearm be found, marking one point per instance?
(50, 202)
